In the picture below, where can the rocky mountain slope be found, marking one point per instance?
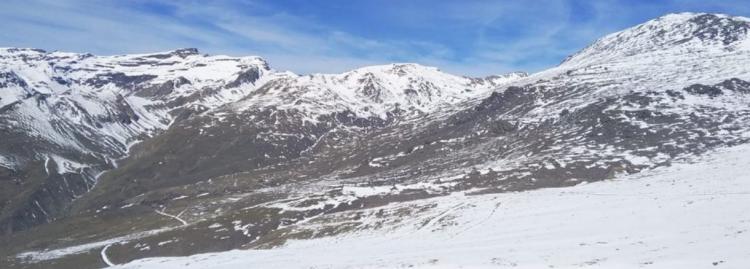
(610, 224)
(228, 153)
(66, 118)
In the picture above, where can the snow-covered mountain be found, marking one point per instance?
(66, 117)
(674, 35)
(667, 53)
(374, 90)
(79, 112)
(243, 156)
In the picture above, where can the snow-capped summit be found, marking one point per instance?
(664, 54)
(376, 90)
(678, 34)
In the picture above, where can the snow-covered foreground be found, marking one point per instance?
(685, 216)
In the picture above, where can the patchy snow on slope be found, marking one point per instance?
(64, 165)
(690, 215)
(36, 256)
(7, 162)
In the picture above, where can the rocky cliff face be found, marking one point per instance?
(245, 156)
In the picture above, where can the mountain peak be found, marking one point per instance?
(184, 52)
(399, 69)
(692, 32)
(706, 27)
(720, 28)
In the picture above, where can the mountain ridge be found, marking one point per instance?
(70, 99)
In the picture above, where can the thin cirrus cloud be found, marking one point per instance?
(463, 37)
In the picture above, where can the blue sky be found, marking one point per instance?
(462, 37)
